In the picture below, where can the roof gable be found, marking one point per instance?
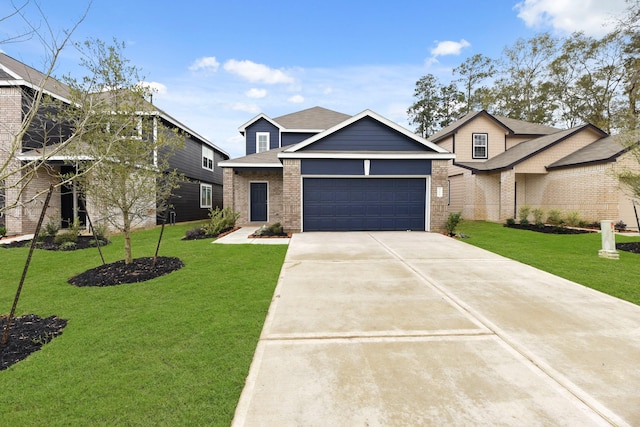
(528, 149)
(315, 119)
(511, 126)
(366, 131)
(603, 150)
(16, 73)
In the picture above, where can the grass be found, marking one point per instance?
(171, 351)
(574, 257)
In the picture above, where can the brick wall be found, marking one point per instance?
(292, 196)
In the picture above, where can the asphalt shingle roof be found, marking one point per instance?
(602, 150)
(316, 118)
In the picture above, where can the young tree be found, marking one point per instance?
(125, 147)
(424, 112)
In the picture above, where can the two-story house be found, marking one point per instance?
(320, 170)
(503, 164)
(197, 160)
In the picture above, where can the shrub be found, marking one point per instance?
(555, 217)
(220, 220)
(511, 222)
(195, 233)
(523, 214)
(66, 237)
(538, 214)
(52, 227)
(68, 246)
(93, 242)
(453, 221)
(101, 230)
(272, 230)
(620, 225)
(3, 231)
(573, 218)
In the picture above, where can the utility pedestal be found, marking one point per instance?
(608, 250)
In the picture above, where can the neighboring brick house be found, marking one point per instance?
(503, 164)
(197, 160)
(320, 170)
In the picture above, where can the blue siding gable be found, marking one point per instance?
(261, 125)
(366, 134)
(291, 138)
(332, 167)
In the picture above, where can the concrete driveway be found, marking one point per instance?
(410, 328)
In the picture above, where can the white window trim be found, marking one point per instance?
(208, 187)
(258, 135)
(210, 160)
(485, 145)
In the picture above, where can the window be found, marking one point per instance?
(205, 195)
(480, 145)
(207, 158)
(262, 141)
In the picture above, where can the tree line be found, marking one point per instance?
(545, 79)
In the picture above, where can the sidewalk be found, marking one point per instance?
(241, 236)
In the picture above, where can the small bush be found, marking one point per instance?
(101, 230)
(52, 227)
(93, 242)
(195, 233)
(523, 214)
(220, 220)
(272, 230)
(511, 222)
(573, 218)
(538, 214)
(555, 217)
(67, 236)
(453, 221)
(620, 225)
(3, 231)
(68, 246)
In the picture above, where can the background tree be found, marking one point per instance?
(471, 74)
(424, 112)
(125, 147)
(524, 91)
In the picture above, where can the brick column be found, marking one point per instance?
(292, 195)
(228, 189)
(438, 208)
(10, 121)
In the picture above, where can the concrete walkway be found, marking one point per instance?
(410, 328)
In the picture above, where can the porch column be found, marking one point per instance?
(507, 194)
(291, 195)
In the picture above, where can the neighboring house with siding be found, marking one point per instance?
(197, 160)
(320, 170)
(503, 164)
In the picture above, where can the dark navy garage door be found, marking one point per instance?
(363, 204)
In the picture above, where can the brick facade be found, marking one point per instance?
(292, 202)
(439, 205)
(236, 194)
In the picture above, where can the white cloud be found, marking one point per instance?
(256, 93)
(207, 63)
(257, 72)
(248, 108)
(449, 47)
(296, 99)
(593, 17)
(156, 87)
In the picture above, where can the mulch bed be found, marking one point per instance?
(27, 334)
(119, 273)
(629, 247)
(550, 229)
(199, 233)
(49, 244)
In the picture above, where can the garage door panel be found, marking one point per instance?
(343, 204)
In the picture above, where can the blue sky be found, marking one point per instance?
(216, 64)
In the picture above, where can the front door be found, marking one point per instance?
(258, 202)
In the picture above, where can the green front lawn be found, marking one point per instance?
(171, 351)
(574, 257)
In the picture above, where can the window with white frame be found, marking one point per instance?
(262, 141)
(480, 143)
(205, 195)
(207, 158)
